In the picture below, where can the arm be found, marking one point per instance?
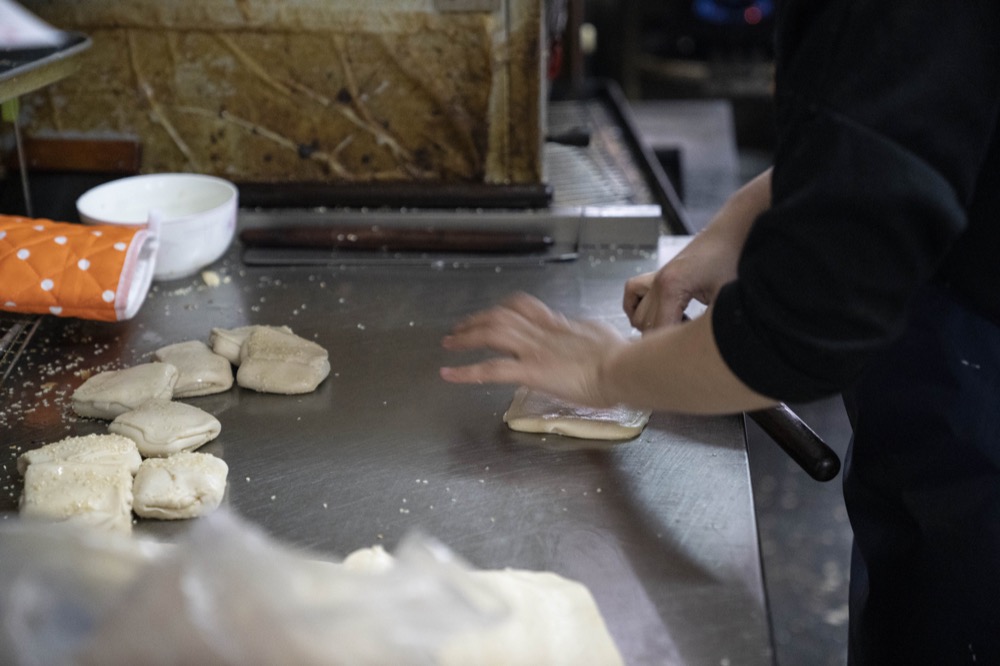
(873, 172)
(677, 368)
(872, 168)
(673, 368)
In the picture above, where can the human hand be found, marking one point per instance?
(543, 350)
(699, 271)
(657, 299)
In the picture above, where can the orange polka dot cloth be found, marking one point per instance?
(100, 272)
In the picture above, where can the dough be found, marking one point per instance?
(200, 371)
(227, 342)
(108, 394)
(162, 427)
(273, 361)
(102, 449)
(550, 620)
(534, 411)
(369, 560)
(91, 494)
(184, 485)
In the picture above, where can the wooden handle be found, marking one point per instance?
(799, 441)
(394, 239)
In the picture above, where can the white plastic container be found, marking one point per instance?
(194, 216)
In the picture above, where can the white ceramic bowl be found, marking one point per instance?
(195, 216)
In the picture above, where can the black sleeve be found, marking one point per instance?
(884, 112)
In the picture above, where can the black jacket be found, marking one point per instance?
(886, 178)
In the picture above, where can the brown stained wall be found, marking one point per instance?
(261, 91)
(526, 102)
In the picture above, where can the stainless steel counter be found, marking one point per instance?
(661, 529)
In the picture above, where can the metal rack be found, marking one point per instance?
(15, 331)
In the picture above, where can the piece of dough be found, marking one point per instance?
(91, 494)
(550, 620)
(184, 485)
(99, 449)
(200, 371)
(272, 361)
(163, 427)
(534, 411)
(369, 560)
(227, 342)
(108, 394)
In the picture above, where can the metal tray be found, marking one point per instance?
(25, 70)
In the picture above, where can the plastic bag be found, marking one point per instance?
(227, 594)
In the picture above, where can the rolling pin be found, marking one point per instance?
(397, 239)
(798, 440)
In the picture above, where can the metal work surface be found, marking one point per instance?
(661, 529)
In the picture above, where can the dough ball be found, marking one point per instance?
(108, 394)
(227, 342)
(162, 427)
(90, 494)
(534, 411)
(98, 449)
(184, 485)
(200, 371)
(272, 361)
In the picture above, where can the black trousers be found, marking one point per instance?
(922, 487)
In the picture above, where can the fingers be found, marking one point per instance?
(511, 328)
(493, 371)
(504, 328)
(540, 348)
(657, 299)
(535, 313)
(499, 333)
(644, 317)
(636, 289)
(527, 305)
(518, 305)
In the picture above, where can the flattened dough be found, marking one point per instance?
(184, 485)
(108, 394)
(200, 371)
(534, 411)
(162, 427)
(272, 361)
(91, 494)
(551, 620)
(98, 449)
(227, 342)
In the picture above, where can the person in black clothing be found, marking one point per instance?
(866, 262)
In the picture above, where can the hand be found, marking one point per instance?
(700, 270)
(654, 300)
(544, 350)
